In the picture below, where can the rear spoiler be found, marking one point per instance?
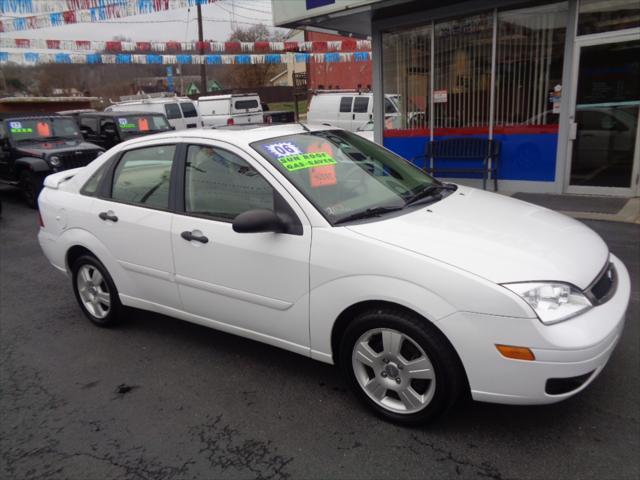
(54, 181)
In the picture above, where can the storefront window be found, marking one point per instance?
(530, 53)
(406, 65)
(597, 16)
(462, 73)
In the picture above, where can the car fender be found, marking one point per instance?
(32, 163)
(82, 238)
(329, 300)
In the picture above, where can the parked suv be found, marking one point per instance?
(180, 111)
(107, 129)
(32, 147)
(217, 110)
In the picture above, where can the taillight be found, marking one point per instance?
(40, 222)
(230, 121)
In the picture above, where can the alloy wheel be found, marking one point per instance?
(93, 291)
(393, 370)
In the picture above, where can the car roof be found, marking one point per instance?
(228, 95)
(31, 116)
(243, 136)
(117, 114)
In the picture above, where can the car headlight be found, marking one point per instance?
(54, 161)
(552, 302)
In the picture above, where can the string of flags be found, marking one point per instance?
(35, 58)
(55, 13)
(346, 45)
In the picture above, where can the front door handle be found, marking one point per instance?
(108, 216)
(194, 236)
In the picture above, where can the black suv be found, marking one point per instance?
(32, 147)
(107, 129)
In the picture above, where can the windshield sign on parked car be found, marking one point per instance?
(136, 124)
(43, 129)
(345, 176)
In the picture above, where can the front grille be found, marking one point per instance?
(77, 159)
(604, 286)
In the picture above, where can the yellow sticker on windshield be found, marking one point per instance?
(306, 160)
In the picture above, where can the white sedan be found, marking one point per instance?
(320, 242)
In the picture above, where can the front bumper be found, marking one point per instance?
(579, 347)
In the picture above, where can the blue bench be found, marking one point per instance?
(483, 151)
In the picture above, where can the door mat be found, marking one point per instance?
(575, 203)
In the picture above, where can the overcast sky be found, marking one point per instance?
(178, 25)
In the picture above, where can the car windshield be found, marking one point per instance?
(345, 176)
(137, 124)
(43, 129)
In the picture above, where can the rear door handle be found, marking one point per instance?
(194, 236)
(108, 216)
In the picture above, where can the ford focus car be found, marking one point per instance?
(320, 242)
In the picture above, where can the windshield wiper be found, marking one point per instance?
(368, 213)
(56, 137)
(430, 191)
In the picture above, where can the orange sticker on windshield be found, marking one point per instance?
(322, 176)
(43, 129)
(143, 125)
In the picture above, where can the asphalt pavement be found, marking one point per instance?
(157, 398)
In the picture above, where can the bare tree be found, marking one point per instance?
(240, 76)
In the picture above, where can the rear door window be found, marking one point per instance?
(345, 104)
(142, 176)
(188, 109)
(90, 124)
(245, 104)
(360, 105)
(172, 110)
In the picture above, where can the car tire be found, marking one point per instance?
(95, 292)
(401, 366)
(30, 185)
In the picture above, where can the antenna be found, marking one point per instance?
(304, 127)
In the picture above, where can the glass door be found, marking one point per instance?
(603, 140)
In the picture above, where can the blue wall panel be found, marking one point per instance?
(530, 156)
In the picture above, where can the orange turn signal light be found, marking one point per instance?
(517, 353)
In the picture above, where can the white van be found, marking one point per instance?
(234, 109)
(346, 109)
(180, 111)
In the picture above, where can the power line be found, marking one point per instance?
(232, 13)
(247, 8)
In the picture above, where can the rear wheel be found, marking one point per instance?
(95, 291)
(30, 185)
(400, 365)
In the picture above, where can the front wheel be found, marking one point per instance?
(30, 185)
(400, 365)
(95, 291)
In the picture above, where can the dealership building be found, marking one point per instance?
(555, 84)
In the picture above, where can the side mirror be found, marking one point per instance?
(258, 221)
(85, 131)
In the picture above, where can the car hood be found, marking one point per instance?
(496, 237)
(40, 149)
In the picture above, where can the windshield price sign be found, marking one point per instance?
(306, 160)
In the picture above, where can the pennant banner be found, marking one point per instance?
(347, 45)
(66, 12)
(33, 58)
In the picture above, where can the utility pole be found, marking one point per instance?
(203, 67)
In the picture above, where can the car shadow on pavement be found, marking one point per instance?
(246, 355)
